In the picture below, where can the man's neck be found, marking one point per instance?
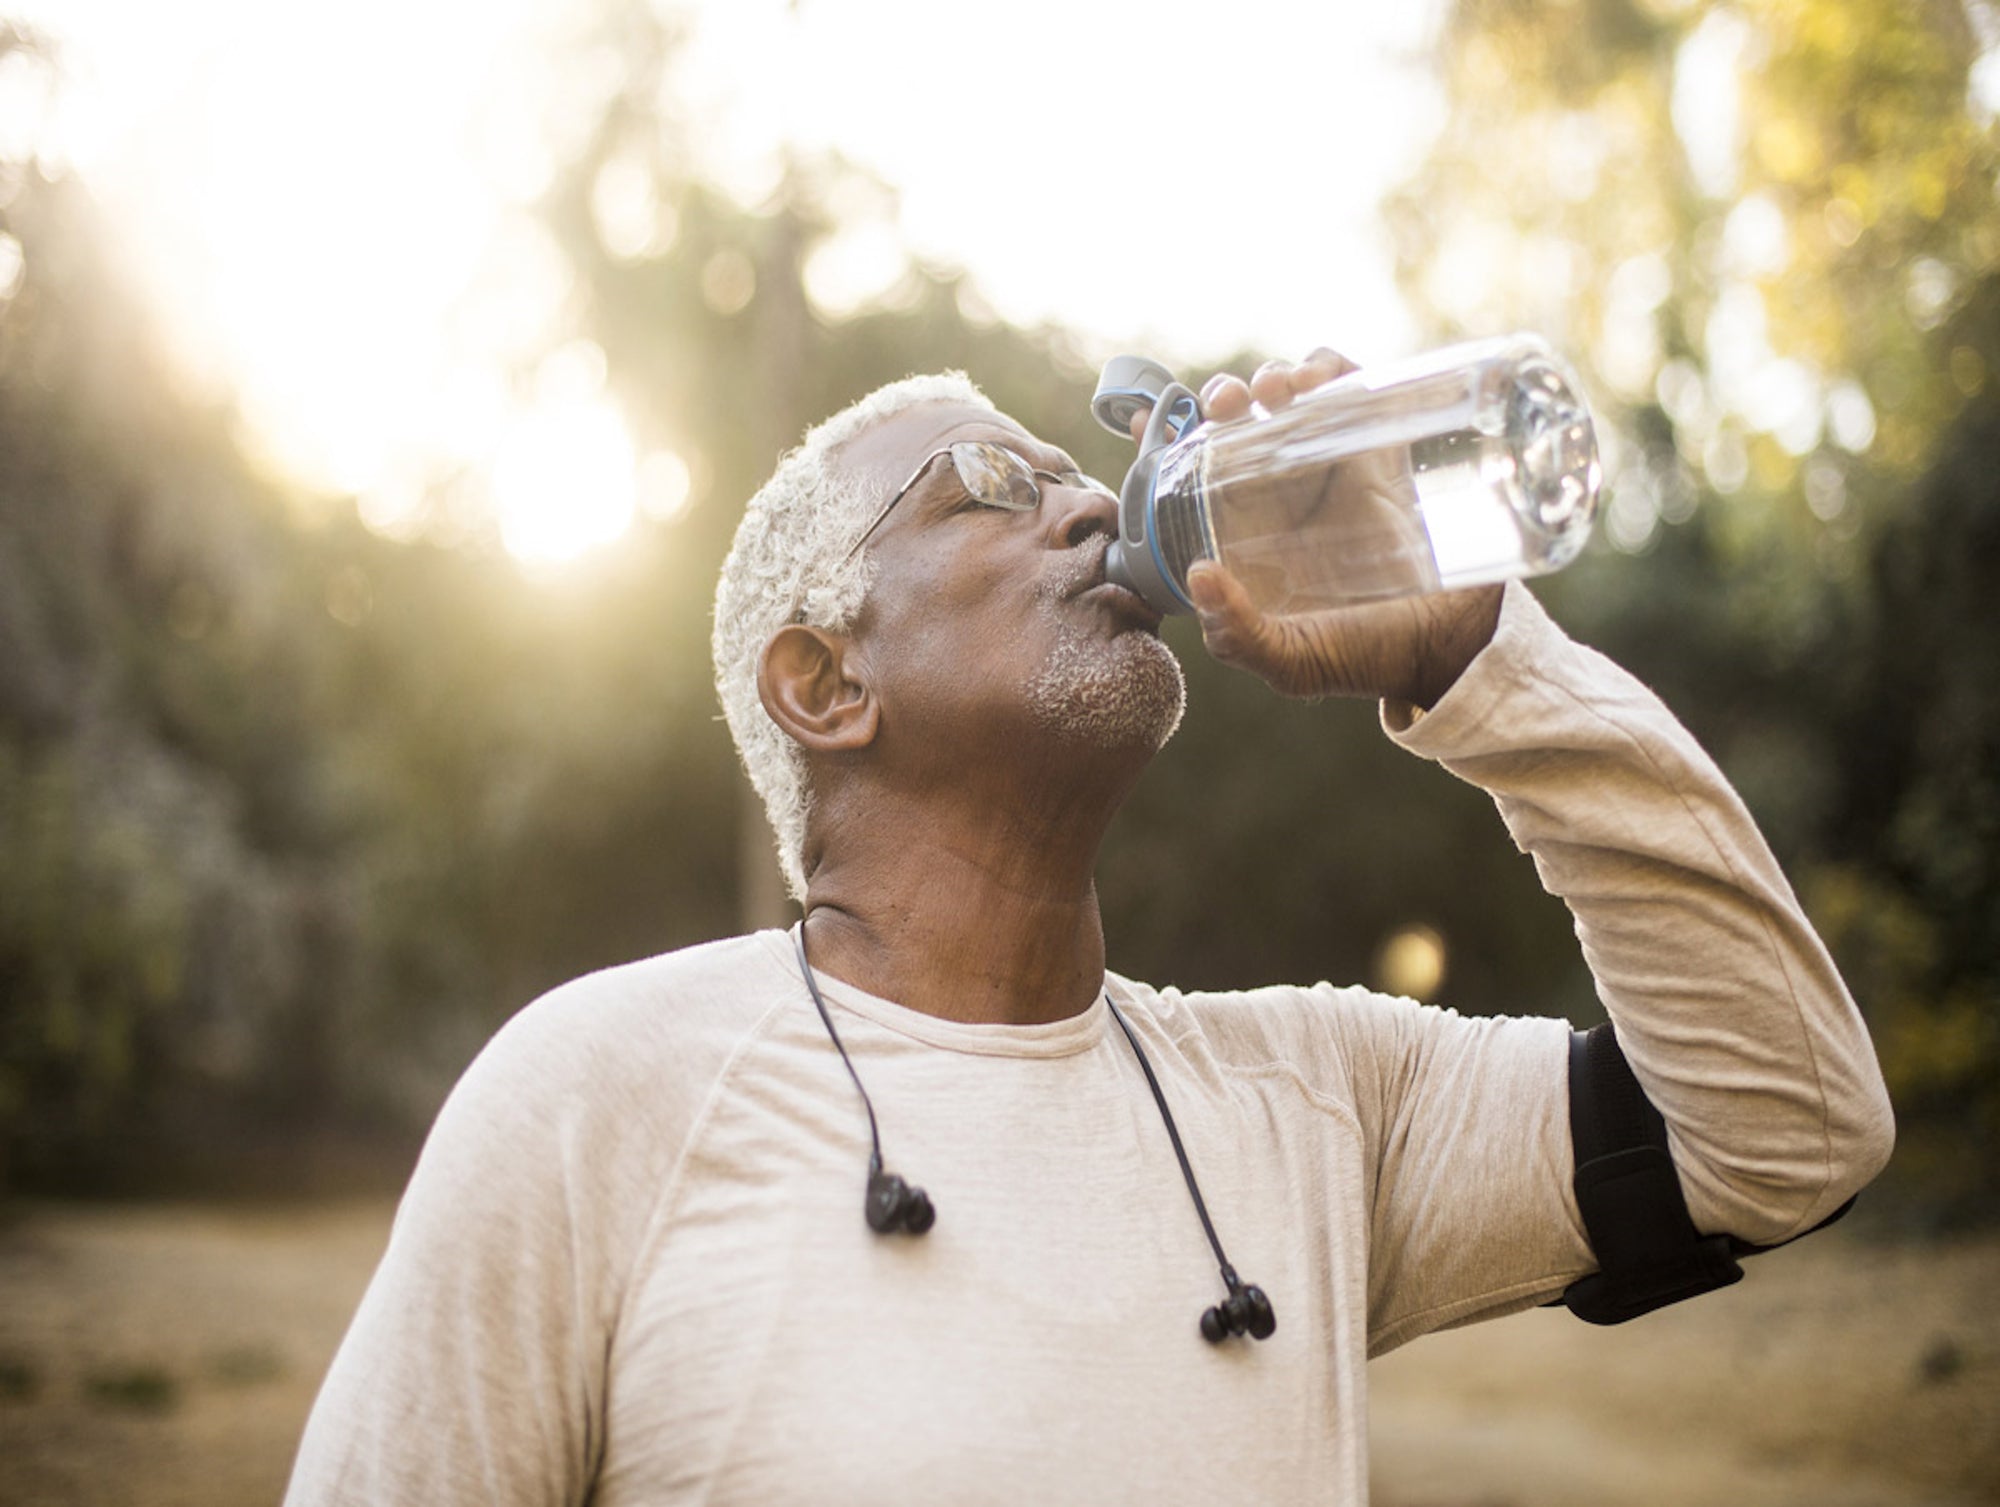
(989, 917)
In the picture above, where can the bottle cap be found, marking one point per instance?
(1128, 385)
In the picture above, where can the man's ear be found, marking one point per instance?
(809, 683)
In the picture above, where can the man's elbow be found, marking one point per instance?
(1858, 1126)
(1860, 1134)
(1859, 1147)
(1773, 1188)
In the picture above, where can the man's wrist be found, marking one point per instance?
(1459, 638)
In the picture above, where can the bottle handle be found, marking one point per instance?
(1126, 387)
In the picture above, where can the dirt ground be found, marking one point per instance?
(165, 1356)
(1836, 1374)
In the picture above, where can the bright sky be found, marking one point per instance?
(1173, 178)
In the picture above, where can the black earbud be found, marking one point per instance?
(893, 1205)
(1245, 1311)
(890, 1204)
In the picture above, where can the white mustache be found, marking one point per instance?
(1080, 570)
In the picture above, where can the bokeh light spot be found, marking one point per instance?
(1411, 962)
(728, 282)
(350, 596)
(666, 486)
(13, 266)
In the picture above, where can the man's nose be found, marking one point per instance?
(1076, 513)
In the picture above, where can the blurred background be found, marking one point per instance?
(379, 389)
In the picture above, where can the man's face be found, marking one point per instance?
(979, 620)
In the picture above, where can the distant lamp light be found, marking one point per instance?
(1411, 962)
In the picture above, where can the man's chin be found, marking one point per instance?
(1127, 692)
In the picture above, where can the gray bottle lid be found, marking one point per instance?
(1126, 386)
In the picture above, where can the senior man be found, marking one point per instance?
(633, 1264)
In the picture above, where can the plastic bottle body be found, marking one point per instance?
(1464, 467)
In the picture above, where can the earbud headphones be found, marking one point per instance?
(1245, 1311)
(892, 1205)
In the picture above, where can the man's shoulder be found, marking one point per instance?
(724, 976)
(1254, 1026)
(673, 1017)
(1339, 1026)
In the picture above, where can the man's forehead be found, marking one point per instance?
(886, 452)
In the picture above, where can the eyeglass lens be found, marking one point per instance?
(997, 476)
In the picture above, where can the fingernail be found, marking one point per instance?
(1202, 587)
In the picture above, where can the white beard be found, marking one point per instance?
(1126, 691)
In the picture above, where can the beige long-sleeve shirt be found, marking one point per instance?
(631, 1266)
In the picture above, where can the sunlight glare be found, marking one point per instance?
(564, 481)
(341, 229)
(854, 267)
(13, 266)
(1707, 104)
(631, 219)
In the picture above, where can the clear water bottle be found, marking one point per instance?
(1462, 467)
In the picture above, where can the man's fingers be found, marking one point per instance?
(1321, 367)
(1225, 397)
(1271, 384)
(1232, 629)
(1327, 356)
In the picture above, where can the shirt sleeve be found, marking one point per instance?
(1726, 1002)
(1469, 1214)
(474, 1370)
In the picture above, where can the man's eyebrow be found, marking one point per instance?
(1037, 453)
(1062, 458)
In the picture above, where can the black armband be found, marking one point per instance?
(1649, 1253)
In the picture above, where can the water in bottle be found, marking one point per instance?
(1463, 467)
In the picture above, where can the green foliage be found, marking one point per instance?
(1767, 232)
(1246, 854)
(295, 816)
(140, 1388)
(20, 1379)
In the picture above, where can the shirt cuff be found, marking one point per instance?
(1523, 640)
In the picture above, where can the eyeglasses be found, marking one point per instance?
(991, 474)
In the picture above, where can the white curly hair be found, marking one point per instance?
(786, 566)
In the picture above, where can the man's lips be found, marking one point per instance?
(1123, 601)
(1083, 579)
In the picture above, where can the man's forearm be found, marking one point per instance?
(1727, 1003)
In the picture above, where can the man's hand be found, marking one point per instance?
(1410, 649)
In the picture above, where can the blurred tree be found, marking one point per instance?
(1270, 840)
(294, 816)
(1767, 232)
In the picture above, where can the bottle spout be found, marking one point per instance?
(1115, 569)
(1130, 564)
(1131, 386)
